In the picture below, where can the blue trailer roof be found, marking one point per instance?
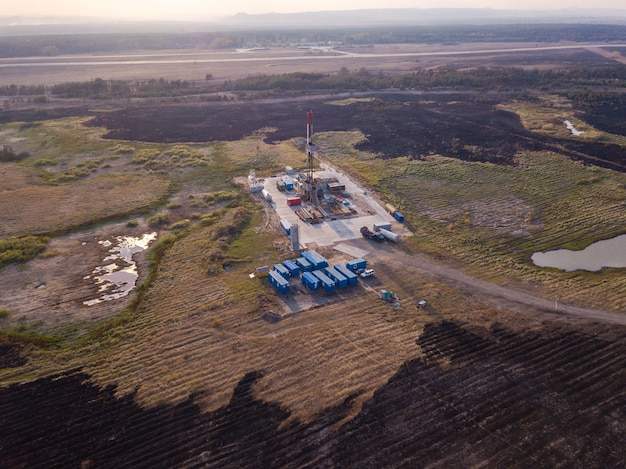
(303, 263)
(340, 279)
(317, 260)
(351, 276)
(325, 279)
(293, 268)
(282, 270)
(278, 281)
(310, 281)
(356, 263)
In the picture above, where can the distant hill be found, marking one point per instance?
(420, 16)
(34, 25)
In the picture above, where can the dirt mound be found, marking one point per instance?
(495, 397)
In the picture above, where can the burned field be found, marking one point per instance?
(494, 396)
(467, 126)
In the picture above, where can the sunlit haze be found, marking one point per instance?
(203, 10)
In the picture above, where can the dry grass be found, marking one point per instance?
(49, 209)
(549, 115)
(197, 333)
(493, 218)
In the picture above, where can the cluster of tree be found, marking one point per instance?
(480, 78)
(603, 109)
(586, 80)
(532, 33)
(7, 154)
(53, 44)
(115, 89)
(593, 98)
(22, 90)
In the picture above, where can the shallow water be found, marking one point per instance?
(572, 129)
(605, 253)
(118, 278)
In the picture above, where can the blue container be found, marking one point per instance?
(278, 281)
(398, 216)
(340, 280)
(327, 282)
(317, 260)
(292, 267)
(282, 270)
(305, 266)
(310, 281)
(357, 264)
(348, 274)
(288, 182)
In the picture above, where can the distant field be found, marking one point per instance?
(195, 65)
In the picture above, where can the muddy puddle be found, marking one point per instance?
(573, 129)
(118, 273)
(596, 256)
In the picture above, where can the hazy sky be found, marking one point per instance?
(203, 9)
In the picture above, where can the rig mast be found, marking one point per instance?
(309, 183)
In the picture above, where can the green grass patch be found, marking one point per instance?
(180, 225)
(21, 249)
(159, 219)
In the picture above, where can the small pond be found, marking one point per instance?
(573, 129)
(118, 274)
(605, 253)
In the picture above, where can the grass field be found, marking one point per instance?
(494, 217)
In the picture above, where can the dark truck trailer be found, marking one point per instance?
(368, 234)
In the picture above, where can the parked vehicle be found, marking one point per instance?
(367, 273)
(371, 235)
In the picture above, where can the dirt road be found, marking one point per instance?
(393, 262)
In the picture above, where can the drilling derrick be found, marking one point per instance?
(309, 183)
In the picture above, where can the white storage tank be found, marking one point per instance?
(390, 235)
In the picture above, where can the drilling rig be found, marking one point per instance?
(310, 192)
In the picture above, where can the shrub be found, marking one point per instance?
(180, 225)
(18, 250)
(159, 219)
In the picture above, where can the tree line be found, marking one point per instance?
(586, 81)
(506, 78)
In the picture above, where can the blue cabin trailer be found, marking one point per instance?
(278, 281)
(286, 226)
(317, 260)
(311, 281)
(398, 216)
(288, 181)
(327, 282)
(292, 267)
(340, 280)
(282, 270)
(347, 273)
(305, 266)
(357, 264)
